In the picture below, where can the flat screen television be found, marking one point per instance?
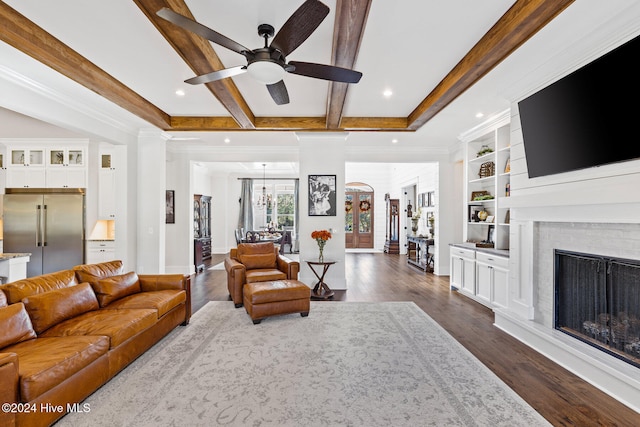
(588, 118)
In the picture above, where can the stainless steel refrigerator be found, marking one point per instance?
(50, 226)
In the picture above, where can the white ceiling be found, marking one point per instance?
(408, 47)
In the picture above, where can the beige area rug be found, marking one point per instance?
(347, 364)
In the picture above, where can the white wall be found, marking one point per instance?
(314, 146)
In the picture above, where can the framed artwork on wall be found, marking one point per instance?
(170, 207)
(322, 195)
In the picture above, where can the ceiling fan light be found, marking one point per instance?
(266, 72)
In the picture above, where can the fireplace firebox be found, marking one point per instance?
(597, 300)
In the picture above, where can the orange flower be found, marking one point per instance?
(321, 235)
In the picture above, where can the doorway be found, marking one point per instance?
(358, 208)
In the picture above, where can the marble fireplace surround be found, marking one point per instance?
(535, 233)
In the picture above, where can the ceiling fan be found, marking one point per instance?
(268, 64)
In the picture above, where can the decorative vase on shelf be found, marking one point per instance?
(414, 226)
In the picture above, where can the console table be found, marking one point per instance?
(418, 253)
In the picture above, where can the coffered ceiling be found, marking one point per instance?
(430, 55)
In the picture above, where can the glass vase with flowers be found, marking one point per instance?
(321, 237)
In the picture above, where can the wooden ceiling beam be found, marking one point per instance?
(351, 19)
(27, 37)
(200, 56)
(517, 25)
(381, 124)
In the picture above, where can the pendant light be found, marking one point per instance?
(261, 203)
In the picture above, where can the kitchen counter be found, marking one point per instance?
(472, 246)
(13, 266)
(4, 256)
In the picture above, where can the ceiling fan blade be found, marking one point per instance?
(299, 26)
(217, 75)
(325, 72)
(199, 29)
(279, 93)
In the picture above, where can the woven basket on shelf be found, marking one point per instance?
(487, 169)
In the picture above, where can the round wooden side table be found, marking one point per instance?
(321, 290)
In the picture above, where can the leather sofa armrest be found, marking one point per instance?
(235, 268)
(161, 282)
(8, 386)
(288, 266)
(236, 278)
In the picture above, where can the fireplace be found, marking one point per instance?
(597, 300)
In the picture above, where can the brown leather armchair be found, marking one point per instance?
(256, 262)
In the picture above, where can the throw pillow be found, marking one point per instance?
(91, 273)
(116, 287)
(20, 289)
(50, 308)
(16, 325)
(256, 261)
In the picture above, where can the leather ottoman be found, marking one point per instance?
(264, 299)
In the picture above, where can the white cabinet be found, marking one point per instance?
(107, 186)
(488, 186)
(480, 275)
(500, 286)
(463, 270)
(100, 251)
(491, 279)
(26, 168)
(26, 157)
(26, 178)
(66, 168)
(48, 165)
(483, 282)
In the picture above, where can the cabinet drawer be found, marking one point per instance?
(496, 261)
(101, 244)
(464, 253)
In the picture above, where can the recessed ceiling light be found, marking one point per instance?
(180, 92)
(479, 115)
(387, 93)
(227, 140)
(394, 141)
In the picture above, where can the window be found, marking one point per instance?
(279, 205)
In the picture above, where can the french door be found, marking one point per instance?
(358, 219)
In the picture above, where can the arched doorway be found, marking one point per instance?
(358, 208)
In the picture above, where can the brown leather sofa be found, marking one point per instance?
(65, 334)
(256, 262)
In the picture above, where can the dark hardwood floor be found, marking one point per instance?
(561, 397)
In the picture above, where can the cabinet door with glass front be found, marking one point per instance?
(26, 157)
(66, 157)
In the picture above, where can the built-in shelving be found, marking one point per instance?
(488, 176)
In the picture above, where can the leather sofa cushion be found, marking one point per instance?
(161, 301)
(113, 288)
(50, 308)
(91, 273)
(16, 325)
(20, 289)
(46, 362)
(257, 255)
(3, 299)
(118, 325)
(264, 275)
